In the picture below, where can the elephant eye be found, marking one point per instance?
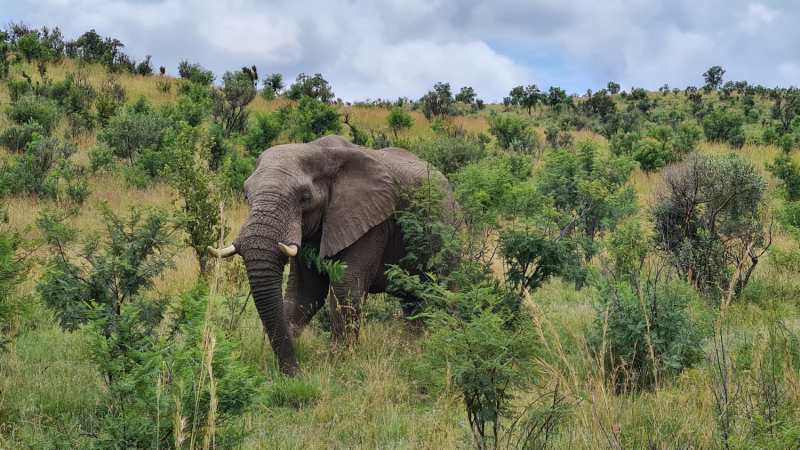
(305, 198)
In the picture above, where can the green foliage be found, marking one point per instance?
(721, 125)
(650, 154)
(229, 104)
(399, 120)
(35, 172)
(450, 154)
(28, 109)
(32, 49)
(786, 170)
(438, 102)
(195, 73)
(713, 76)
(235, 170)
(129, 134)
(116, 269)
(17, 88)
(199, 215)
(315, 87)
(512, 130)
(312, 119)
(161, 390)
(707, 217)
(309, 257)
(786, 107)
(642, 330)
(273, 86)
(266, 129)
(16, 138)
(484, 358)
(687, 136)
(13, 270)
(589, 191)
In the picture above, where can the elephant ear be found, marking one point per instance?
(362, 195)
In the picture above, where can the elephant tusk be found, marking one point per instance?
(224, 253)
(288, 250)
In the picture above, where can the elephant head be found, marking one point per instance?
(329, 192)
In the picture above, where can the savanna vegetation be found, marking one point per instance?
(627, 274)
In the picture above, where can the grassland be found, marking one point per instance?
(366, 397)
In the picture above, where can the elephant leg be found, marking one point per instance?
(305, 295)
(363, 260)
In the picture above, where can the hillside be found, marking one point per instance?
(711, 359)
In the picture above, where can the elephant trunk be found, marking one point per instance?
(266, 278)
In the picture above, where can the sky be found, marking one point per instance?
(369, 49)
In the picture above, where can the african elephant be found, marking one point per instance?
(335, 196)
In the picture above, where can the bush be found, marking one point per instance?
(15, 138)
(643, 331)
(27, 110)
(13, 269)
(398, 120)
(313, 119)
(130, 133)
(508, 130)
(266, 129)
(101, 158)
(236, 169)
(721, 125)
(786, 170)
(315, 87)
(33, 173)
(229, 104)
(449, 155)
(17, 89)
(195, 73)
(707, 216)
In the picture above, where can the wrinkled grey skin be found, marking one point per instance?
(338, 196)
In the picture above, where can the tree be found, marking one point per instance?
(195, 73)
(399, 119)
(713, 76)
(266, 129)
(613, 87)
(466, 95)
(272, 86)
(314, 87)
(708, 219)
(786, 107)
(437, 102)
(512, 130)
(199, 215)
(229, 104)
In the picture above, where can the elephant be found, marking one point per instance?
(336, 196)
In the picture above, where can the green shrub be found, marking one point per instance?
(101, 158)
(131, 133)
(450, 154)
(650, 154)
(786, 170)
(399, 120)
(17, 88)
(724, 126)
(707, 217)
(312, 119)
(229, 104)
(27, 110)
(15, 138)
(195, 73)
(687, 136)
(236, 169)
(643, 331)
(13, 269)
(266, 129)
(32, 173)
(508, 129)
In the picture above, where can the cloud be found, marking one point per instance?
(757, 17)
(380, 48)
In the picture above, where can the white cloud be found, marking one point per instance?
(757, 17)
